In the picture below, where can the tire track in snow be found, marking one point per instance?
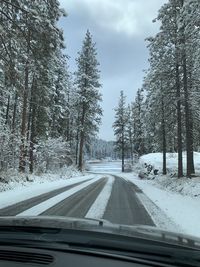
(42, 207)
(97, 210)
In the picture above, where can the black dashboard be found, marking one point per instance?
(12, 257)
(59, 242)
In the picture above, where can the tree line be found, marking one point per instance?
(47, 114)
(165, 113)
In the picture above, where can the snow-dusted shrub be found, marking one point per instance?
(52, 154)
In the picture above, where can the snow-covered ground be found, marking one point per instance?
(179, 199)
(169, 182)
(12, 179)
(156, 160)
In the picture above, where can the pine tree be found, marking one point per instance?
(171, 12)
(130, 130)
(88, 95)
(138, 123)
(120, 127)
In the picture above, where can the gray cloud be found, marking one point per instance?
(119, 28)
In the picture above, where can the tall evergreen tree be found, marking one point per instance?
(120, 127)
(88, 94)
(130, 131)
(138, 123)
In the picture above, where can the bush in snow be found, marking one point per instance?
(52, 154)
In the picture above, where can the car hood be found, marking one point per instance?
(103, 226)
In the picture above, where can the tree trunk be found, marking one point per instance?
(179, 125)
(164, 139)
(7, 110)
(123, 155)
(122, 148)
(178, 96)
(80, 160)
(32, 125)
(189, 141)
(22, 157)
(14, 113)
(131, 152)
(77, 143)
(82, 137)
(13, 130)
(29, 120)
(192, 144)
(191, 128)
(32, 141)
(68, 133)
(188, 114)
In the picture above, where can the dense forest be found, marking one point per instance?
(47, 114)
(101, 149)
(165, 115)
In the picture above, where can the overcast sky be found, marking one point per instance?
(119, 28)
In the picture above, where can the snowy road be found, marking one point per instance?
(105, 193)
(124, 207)
(108, 196)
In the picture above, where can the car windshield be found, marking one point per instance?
(100, 113)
